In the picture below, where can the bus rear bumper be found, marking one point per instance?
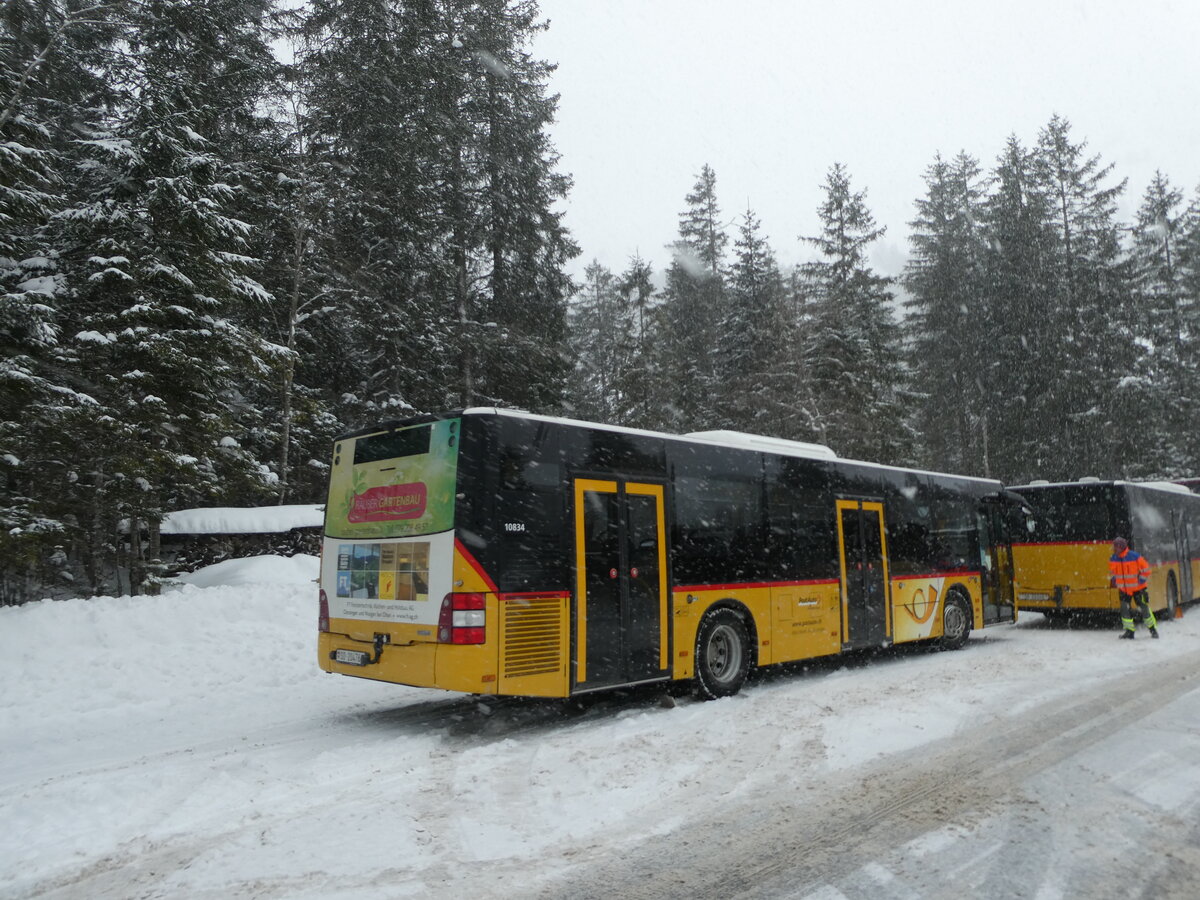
(1063, 599)
(462, 668)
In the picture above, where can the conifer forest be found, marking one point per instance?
(233, 229)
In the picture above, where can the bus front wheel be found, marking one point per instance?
(722, 654)
(956, 622)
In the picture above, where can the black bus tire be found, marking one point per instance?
(956, 622)
(1172, 596)
(722, 654)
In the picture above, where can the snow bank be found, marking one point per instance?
(144, 655)
(299, 569)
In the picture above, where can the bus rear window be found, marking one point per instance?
(1073, 514)
(392, 445)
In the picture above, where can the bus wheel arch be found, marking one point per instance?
(724, 650)
(956, 619)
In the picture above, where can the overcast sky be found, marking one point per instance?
(771, 93)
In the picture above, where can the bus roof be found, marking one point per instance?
(731, 439)
(1170, 486)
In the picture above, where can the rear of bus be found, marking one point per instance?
(1062, 566)
(398, 601)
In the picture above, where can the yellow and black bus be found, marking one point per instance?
(1061, 567)
(496, 552)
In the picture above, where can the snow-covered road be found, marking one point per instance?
(188, 746)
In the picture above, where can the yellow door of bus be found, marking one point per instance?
(621, 634)
(862, 545)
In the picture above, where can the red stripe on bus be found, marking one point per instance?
(812, 581)
(753, 584)
(1062, 543)
(474, 564)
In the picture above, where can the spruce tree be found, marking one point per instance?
(1168, 377)
(1091, 287)
(1021, 324)
(602, 345)
(851, 348)
(161, 275)
(525, 246)
(380, 122)
(444, 247)
(636, 287)
(944, 276)
(1188, 269)
(691, 313)
(51, 55)
(758, 391)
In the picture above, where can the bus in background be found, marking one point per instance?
(1062, 567)
(495, 552)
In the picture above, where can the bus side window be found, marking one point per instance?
(955, 539)
(985, 541)
(718, 519)
(800, 538)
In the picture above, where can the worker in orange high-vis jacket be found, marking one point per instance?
(1130, 574)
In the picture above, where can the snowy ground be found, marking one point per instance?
(188, 746)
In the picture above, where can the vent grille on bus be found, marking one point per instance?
(532, 636)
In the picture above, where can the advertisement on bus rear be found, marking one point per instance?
(393, 484)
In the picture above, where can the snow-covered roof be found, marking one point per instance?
(1165, 486)
(1088, 482)
(763, 443)
(734, 439)
(242, 520)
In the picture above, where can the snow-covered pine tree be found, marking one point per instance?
(602, 346)
(1188, 269)
(851, 349)
(1189, 254)
(524, 246)
(636, 287)
(944, 278)
(379, 124)
(445, 249)
(691, 312)
(289, 207)
(159, 275)
(1020, 324)
(1090, 284)
(758, 389)
(1167, 373)
(50, 87)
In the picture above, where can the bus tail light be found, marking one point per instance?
(463, 619)
(323, 613)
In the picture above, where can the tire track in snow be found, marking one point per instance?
(783, 846)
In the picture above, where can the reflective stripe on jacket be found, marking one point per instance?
(1130, 572)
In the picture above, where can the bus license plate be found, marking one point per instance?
(351, 657)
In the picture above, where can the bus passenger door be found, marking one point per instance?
(863, 549)
(996, 563)
(1183, 553)
(620, 583)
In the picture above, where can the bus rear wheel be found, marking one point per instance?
(722, 655)
(956, 622)
(1172, 596)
